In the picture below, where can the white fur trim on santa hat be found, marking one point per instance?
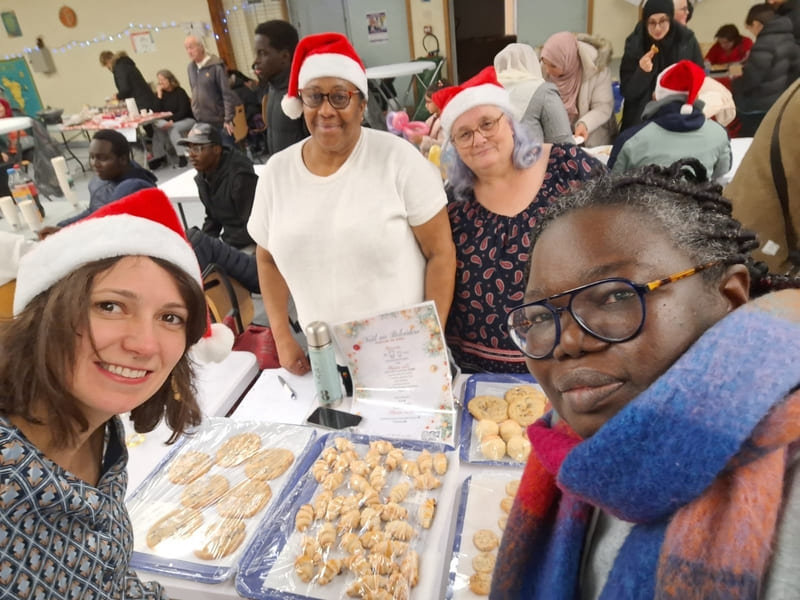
(333, 64)
(94, 239)
(479, 95)
(213, 348)
(292, 107)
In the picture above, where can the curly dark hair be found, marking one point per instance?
(38, 347)
(687, 207)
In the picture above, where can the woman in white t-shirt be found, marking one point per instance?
(350, 221)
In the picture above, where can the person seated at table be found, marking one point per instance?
(116, 175)
(435, 135)
(674, 127)
(274, 45)
(128, 79)
(226, 184)
(105, 314)
(656, 42)
(729, 46)
(168, 132)
(579, 66)
(351, 221)
(765, 201)
(773, 65)
(669, 465)
(535, 102)
(239, 265)
(500, 180)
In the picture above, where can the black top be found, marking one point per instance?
(131, 84)
(177, 102)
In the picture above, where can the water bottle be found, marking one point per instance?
(323, 364)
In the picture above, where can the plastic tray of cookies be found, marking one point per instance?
(201, 506)
(497, 411)
(371, 514)
(484, 505)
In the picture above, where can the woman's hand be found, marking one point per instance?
(292, 357)
(646, 62)
(581, 131)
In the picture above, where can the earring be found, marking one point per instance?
(176, 395)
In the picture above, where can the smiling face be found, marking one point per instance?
(588, 380)
(269, 61)
(334, 130)
(486, 151)
(137, 319)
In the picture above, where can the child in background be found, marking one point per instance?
(435, 134)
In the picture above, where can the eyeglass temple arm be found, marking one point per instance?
(678, 276)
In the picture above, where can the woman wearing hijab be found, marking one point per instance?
(535, 103)
(657, 42)
(578, 65)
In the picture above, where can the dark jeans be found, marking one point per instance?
(237, 264)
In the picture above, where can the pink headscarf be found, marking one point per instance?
(561, 49)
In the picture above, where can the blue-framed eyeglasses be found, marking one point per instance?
(612, 310)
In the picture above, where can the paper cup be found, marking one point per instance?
(62, 174)
(10, 212)
(31, 215)
(133, 110)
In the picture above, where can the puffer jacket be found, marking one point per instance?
(595, 97)
(773, 64)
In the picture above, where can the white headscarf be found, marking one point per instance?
(518, 70)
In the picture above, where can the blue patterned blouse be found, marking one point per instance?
(59, 536)
(491, 253)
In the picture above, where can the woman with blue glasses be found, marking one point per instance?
(668, 467)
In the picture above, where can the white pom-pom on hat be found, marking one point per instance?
(683, 78)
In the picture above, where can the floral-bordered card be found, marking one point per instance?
(401, 374)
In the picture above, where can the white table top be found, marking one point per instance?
(399, 69)
(182, 187)
(739, 147)
(14, 124)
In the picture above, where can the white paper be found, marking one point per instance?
(10, 212)
(31, 215)
(401, 373)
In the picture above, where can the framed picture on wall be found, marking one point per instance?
(11, 24)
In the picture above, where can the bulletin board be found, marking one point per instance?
(18, 86)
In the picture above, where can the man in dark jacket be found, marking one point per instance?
(226, 184)
(791, 9)
(275, 42)
(773, 64)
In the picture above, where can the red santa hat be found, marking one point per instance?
(684, 78)
(322, 55)
(144, 223)
(481, 89)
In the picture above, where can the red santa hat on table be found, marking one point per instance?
(141, 224)
(685, 78)
(322, 55)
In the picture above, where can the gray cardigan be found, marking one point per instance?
(546, 116)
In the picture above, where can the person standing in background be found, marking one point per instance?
(683, 11)
(128, 79)
(167, 132)
(275, 42)
(791, 9)
(213, 100)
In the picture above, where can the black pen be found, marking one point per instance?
(287, 387)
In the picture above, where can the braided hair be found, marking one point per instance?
(690, 209)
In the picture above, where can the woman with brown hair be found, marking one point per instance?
(105, 312)
(128, 79)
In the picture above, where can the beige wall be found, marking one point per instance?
(615, 19)
(79, 79)
(427, 13)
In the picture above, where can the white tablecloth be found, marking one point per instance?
(14, 124)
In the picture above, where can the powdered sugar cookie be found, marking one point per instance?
(493, 447)
(509, 428)
(493, 408)
(518, 448)
(485, 428)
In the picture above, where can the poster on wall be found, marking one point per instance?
(18, 86)
(143, 42)
(376, 27)
(11, 24)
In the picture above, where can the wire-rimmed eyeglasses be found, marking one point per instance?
(338, 99)
(612, 310)
(464, 138)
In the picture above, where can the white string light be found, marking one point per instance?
(64, 48)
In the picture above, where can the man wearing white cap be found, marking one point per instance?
(351, 221)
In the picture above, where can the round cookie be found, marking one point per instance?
(485, 540)
(512, 487)
(502, 522)
(269, 463)
(480, 583)
(484, 562)
(510, 428)
(518, 448)
(485, 427)
(188, 466)
(237, 449)
(204, 492)
(245, 499)
(493, 447)
(493, 408)
(221, 538)
(506, 504)
(181, 522)
(525, 404)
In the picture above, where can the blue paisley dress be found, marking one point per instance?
(491, 253)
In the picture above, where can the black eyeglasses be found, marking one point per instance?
(612, 310)
(340, 99)
(487, 128)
